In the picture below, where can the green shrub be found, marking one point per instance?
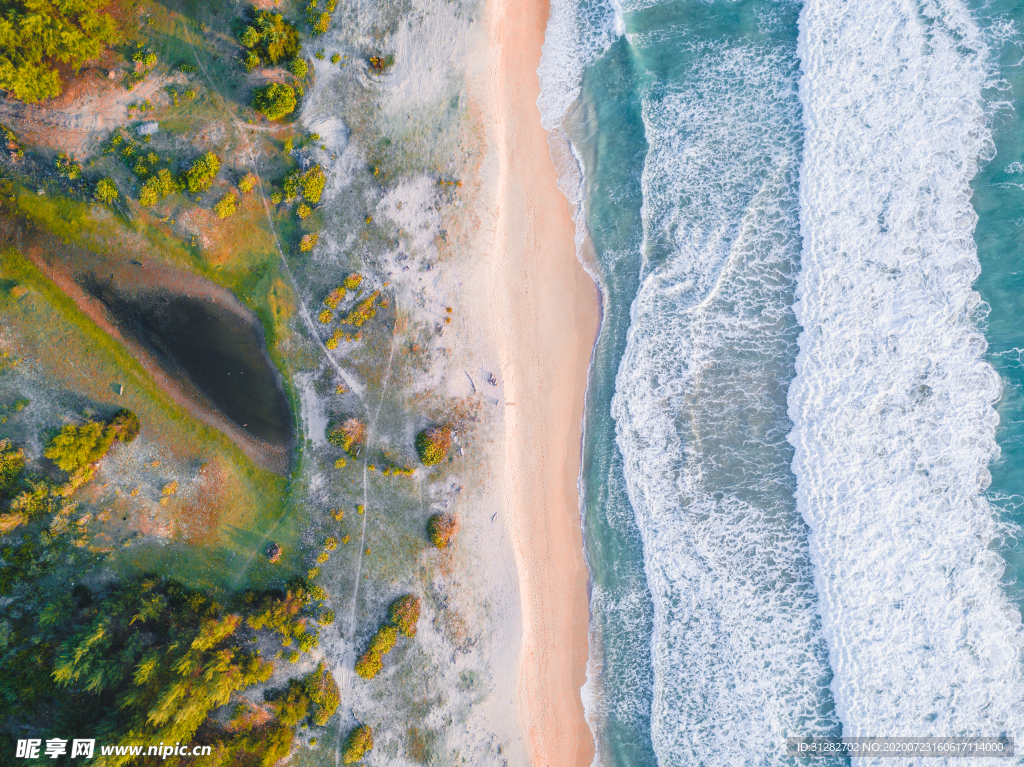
(247, 183)
(75, 447)
(298, 67)
(380, 64)
(157, 187)
(226, 206)
(37, 37)
(293, 706)
(126, 425)
(368, 666)
(335, 58)
(67, 167)
(106, 191)
(274, 101)
(271, 36)
(303, 211)
(358, 742)
(442, 529)
(433, 444)
(12, 464)
(307, 243)
(324, 694)
(404, 613)
(199, 177)
(323, 21)
(350, 436)
(312, 183)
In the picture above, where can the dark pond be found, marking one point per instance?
(218, 351)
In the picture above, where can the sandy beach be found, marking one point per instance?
(543, 316)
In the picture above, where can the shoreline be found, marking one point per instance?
(543, 313)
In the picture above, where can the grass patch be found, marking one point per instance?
(75, 352)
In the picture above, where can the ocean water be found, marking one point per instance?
(804, 439)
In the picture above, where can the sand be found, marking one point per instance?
(542, 317)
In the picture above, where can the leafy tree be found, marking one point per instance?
(67, 167)
(76, 447)
(199, 177)
(157, 187)
(12, 464)
(37, 35)
(404, 613)
(442, 528)
(106, 191)
(274, 101)
(126, 425)
(226, 206)
(271, 37)
(298, 67)
(323, 693)
(358, 742)
(433, 444)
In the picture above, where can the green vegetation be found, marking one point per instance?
(126, 425)
(433, 444)
(358, 742)
(381, 64)
(77, 447)
(36, 35)
(362, 312)
(298, 67)
(67, 168)
(323, 693)
(274, 101)
(106, 191)
(350, 436)
(200, 175)
(247, 183)
(270, 38)
(157, 187)
(285, 613)
(309, 185)
(226, 206)
(403, 614)
(150, 661)
(12, 464)
(306, 244)
(442, 529)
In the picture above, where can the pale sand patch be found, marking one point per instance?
(542, 315)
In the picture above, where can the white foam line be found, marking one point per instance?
(892, 406)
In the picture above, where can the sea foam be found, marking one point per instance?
(892, 406)
(700, 405)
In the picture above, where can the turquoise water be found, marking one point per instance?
(799, 505)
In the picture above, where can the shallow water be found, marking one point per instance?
(221, 353)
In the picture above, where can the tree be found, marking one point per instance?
(75, 447)
(12, 464)
(404, 613)
(126, 425)
(442, 528)
(271, 37)
(298, 67)
(106, 191)
(226, 206)
(323, 693)
(274, 101)
(36, 35)
(433, 444)
(358, 742)
(199, 177)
